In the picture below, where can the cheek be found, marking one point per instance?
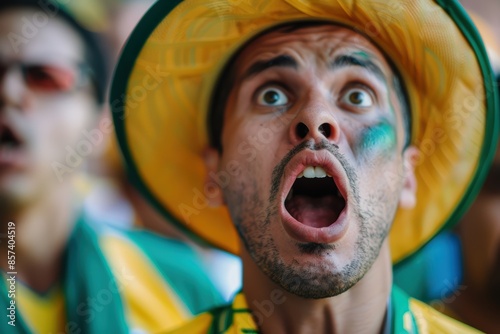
(250, 142)
(378, 140)
(73, 120)
(62, 125)
(249, 157)
(379, 162)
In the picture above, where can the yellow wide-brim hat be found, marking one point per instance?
(164, 84)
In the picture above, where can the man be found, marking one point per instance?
(306, 127)
(60, 271)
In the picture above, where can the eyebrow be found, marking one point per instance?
(339, 62)
(279, 61)
(350, 60)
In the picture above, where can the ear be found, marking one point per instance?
(211, 157)
(408, 198)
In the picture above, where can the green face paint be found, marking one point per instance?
(363, 55)
(380, 138)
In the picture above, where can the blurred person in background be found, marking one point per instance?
(459, 271)
(117, 200)
(73, 274)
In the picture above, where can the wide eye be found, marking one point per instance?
(272, 96)
(357, 97)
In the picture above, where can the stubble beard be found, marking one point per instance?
(253, 218)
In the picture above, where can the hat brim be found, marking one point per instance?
(165, 78)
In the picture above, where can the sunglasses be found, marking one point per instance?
(49, 78)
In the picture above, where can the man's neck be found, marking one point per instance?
(361, 309)
(42, 229)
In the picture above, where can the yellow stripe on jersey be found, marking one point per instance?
(431, 321)
(243, 320)
(149, 302)
(231, 319)
(198, 325)
(36, 309)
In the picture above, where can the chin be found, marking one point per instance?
(312, 272)
(325, 284)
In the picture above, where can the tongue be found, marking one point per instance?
(314, 211)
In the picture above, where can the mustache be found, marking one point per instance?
(278, 171)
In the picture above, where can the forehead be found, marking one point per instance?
(29, 34)
(318, 43)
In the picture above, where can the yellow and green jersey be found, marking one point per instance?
(115, 281)
(407, 315)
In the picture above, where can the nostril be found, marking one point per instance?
(325, 129)
(301, 130)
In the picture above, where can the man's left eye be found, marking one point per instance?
(357, 97)
(272, 96)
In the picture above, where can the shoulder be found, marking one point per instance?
(430, 320)
(413, 316)
(156, 248)
(173, 261)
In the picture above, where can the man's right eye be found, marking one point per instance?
(272, 97)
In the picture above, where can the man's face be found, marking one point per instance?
(44, 103)
(315, 127)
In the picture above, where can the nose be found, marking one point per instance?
(12, 88)
(315, 120)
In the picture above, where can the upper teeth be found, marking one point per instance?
(311, 172)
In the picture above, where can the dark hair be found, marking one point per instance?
(225, 82)
(96, 55)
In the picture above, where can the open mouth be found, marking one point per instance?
(314, 199)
